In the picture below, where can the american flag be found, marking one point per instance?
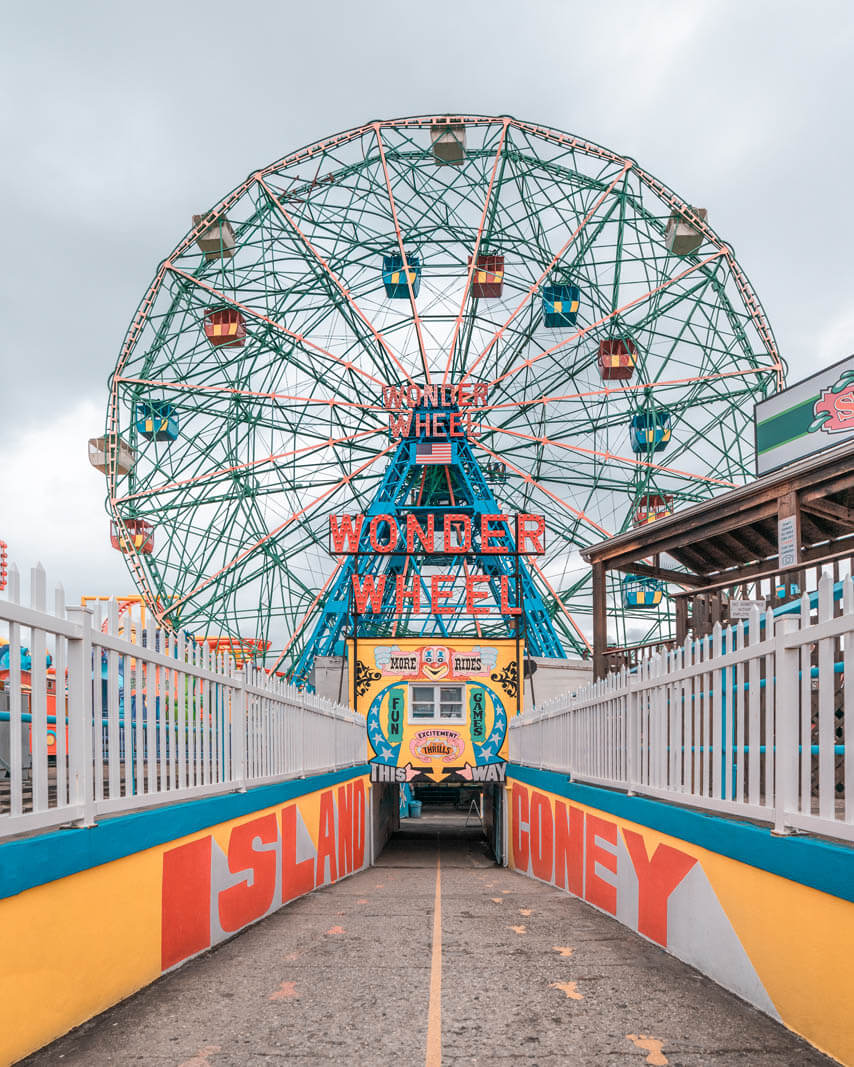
(433, 452)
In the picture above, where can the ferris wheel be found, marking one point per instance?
(615, 344)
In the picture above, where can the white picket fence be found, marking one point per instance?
(750, 721)
(149, 717)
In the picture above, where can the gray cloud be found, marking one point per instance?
(118, 121)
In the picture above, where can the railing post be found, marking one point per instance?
(632, 734)
(334, 738)
(16, 707)
(38, 692)
(81, 779)
(239, 726)
(787, 693)
(302, 718)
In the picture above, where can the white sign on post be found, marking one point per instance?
(740, 609)
(787, 542)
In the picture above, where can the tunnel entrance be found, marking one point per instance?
(462, 825)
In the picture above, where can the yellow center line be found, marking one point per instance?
(434, 1012)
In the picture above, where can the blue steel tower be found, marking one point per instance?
(431, 476)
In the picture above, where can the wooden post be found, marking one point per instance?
(600, 621)
(789, 513)
(681, 619)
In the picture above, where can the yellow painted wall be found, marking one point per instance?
(799, 940)
(74, 947)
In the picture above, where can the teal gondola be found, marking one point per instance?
(641, 592)
(560, 305)
(650, 431)
(157, 421)
(395, 277)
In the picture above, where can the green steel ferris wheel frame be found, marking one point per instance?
(276, 433)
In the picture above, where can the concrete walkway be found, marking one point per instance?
(349, 975)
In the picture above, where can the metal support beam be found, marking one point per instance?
(471, 495)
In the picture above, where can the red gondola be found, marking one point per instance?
(488, 277)
(225, 327)
(652, 507)
(139, 537)
(617, 359)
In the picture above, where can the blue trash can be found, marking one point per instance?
(414, 809)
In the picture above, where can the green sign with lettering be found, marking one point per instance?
(477, 715)
(396, 704)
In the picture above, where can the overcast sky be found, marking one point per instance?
(119, 120)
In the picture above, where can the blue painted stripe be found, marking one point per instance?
(33, 861)
(811, 861)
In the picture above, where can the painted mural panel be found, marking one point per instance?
(437, 712)
(780, 945)
(158, 907)
(239, 873)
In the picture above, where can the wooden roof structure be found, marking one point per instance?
(734, 536)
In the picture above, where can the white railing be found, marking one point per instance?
(749, 721)
(127, 716)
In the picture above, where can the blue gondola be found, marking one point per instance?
(641, 592)
(560, 305)
(157, 421)
(650, 431)
(395, 277)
